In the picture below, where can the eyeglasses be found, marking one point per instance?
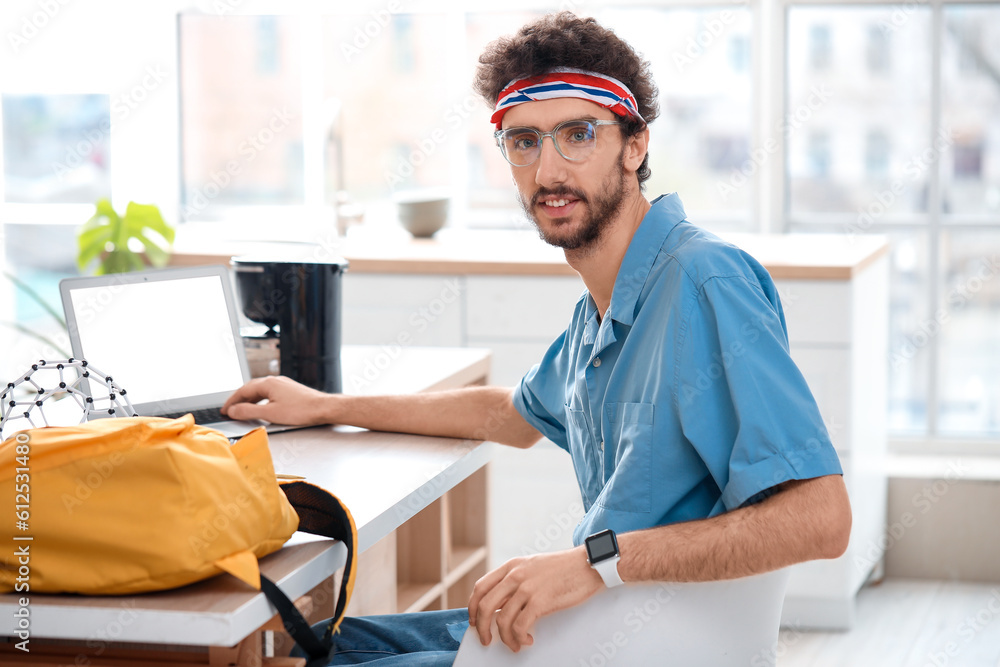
(573, 139)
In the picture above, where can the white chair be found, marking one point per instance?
(712, 624)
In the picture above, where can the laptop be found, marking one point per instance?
(169, 337)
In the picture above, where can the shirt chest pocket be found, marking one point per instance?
(629, 487)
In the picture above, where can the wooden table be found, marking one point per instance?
(386, 479)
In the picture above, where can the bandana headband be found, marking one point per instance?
(606, 91)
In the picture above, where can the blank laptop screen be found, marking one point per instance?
(160, 340)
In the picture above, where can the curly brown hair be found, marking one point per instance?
(565, 40)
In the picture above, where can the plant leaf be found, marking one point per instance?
(105, 208)
(103, 215)
(118, 261)
(107, 227)
(158, 257)
(91, 243)
(149, 216)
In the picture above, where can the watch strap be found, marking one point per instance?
(608, 569)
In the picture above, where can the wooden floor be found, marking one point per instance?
(907, 623)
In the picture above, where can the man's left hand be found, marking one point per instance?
(522, 590)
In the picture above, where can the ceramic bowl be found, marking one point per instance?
(422, 213)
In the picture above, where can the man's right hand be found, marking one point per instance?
(288, 402)
(478, 413)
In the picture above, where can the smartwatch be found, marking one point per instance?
(602, 553)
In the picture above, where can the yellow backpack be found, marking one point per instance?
(139, 504)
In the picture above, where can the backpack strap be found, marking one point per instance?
(320, 651)
(320, 513)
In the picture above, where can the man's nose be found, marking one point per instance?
(551, 166)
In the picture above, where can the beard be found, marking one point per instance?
(601, 210)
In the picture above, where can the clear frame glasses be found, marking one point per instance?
(573, 139)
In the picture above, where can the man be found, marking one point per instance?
(693, 435)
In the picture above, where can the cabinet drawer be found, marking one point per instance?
(387, 290)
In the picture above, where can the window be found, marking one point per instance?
(425, 63)
(879, 50)
(739, 53)
(56, 151)
(934, 190)
(700, 143)
(968, 163)
(725, 153)
(879, 118)
(970, 111)
(56, 148)
(877, 154)
(241, 113)
(819, 47)
(402, 133)
(819, 155)
(846, 99)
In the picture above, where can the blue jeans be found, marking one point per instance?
(422, 639)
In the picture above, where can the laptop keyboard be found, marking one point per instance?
(203, 416)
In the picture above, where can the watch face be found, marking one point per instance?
(601, 546)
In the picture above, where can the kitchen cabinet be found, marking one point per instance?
(838, 335)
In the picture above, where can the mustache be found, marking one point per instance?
(556, 192)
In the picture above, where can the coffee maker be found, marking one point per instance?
(299, 301)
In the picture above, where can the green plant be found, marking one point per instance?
(119, 243)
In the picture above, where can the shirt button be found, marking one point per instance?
(602, 445)
(597, 362)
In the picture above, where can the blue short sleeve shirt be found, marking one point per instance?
(682, 402)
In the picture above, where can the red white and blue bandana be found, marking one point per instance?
(606, 91)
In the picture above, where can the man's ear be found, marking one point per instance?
(635, 149)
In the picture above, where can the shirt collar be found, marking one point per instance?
(666, 211)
